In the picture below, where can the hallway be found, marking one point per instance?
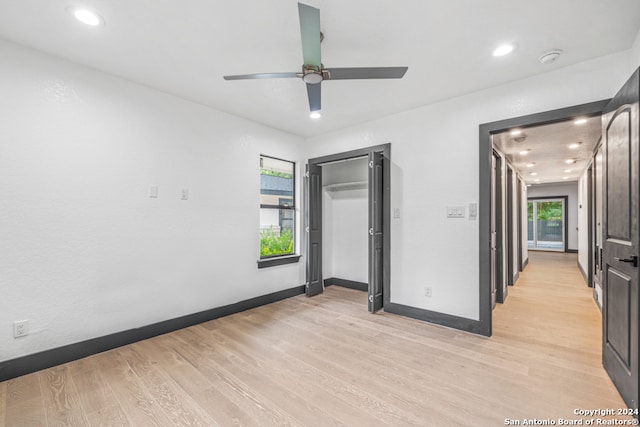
(551, 324)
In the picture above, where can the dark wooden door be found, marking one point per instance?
(376, 259)
(511, 256)
(620, 261)
(498, 288)
(598, 197)
(313, 182)
(519, 214)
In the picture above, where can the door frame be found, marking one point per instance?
(520, 185)
(486, 130)
(510, 234)
(385, 149)
(590, 220)
(497, 213)
(565, 225)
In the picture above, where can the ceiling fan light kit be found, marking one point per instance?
(313, 72)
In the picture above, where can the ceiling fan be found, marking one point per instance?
(313, 72)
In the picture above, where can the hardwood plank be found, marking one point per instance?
(26, 413)
(97, 398)
(61, 400)
(175, 404)
(110, 416)
(310, 401)
(23, 388)
(205, 356)
(3, 403)
(138, 405)
(327, 361)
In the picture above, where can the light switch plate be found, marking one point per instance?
(473, 211)
(455, 211)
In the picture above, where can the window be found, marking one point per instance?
(277, 211)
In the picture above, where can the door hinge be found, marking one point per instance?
(307, 229)
(371, 232)
(371, 164)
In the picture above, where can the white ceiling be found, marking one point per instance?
(549, 149)
(185, 47)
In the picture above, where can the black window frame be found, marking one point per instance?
(273, 260)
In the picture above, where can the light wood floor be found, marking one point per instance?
(325, 361)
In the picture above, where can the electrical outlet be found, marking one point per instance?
(184, 194)
(20, 328)
(428, 291)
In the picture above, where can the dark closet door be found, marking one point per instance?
(620, 262)
(510, 228)
(498, 289)
(376, 259)
(313, 182)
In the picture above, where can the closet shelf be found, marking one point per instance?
(356, 185)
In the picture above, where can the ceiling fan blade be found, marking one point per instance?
(366, 73)
(310, 32)
(313, 91)
(262, 76)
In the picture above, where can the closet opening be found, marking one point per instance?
(347, 213)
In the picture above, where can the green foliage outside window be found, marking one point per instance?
(550, 211)
(547, 211)
(273, 243)
(270, 172)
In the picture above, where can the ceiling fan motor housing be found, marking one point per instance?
(312, 74)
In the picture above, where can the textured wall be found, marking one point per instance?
(434, 152)
(85, 251)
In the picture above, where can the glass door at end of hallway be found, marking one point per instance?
(546, 224)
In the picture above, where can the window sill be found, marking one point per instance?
(281, 260)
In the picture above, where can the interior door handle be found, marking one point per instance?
(633, 260)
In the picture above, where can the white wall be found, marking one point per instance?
(345, 222)
(563, 189)
(634, 56)
(435, 164)
(85, 252)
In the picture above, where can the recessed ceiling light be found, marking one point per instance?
(528, 185)
(525, 152)
(516, 132)
(567, 170)
(530, 165)
(570, 161)
(504, 49)
(537, 180)
(575, 145)
(87, 16)
(580, 121)
(315, 115)
(533, 173)
(565, 177)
